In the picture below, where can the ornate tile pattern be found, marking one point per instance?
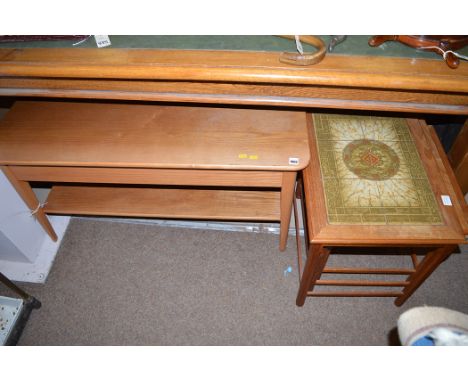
(372, 172)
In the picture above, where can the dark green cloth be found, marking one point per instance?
(353, 45)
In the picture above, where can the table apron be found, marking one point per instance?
(181, 177)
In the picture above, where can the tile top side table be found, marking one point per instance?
(377, 182)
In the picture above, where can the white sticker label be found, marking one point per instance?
(102, 41)
(446, 201)
(293, 161)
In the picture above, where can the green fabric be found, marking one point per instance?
(353, 45)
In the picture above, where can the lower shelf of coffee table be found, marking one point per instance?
(165, 203)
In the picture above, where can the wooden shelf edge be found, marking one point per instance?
(164, 203)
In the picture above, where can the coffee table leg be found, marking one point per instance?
(26, 193)
(428, 265)
(286, 201)
(316, 259)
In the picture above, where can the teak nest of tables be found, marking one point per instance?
(155, 161)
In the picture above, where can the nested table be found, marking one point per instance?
(106, 159)
(376, 182)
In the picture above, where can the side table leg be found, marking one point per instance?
(286, 202)
(316, 260)
(26, 193)
(428, 265)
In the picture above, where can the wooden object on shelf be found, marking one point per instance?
(442, 45)
(304, 59)
(405, 214)
(118, 144)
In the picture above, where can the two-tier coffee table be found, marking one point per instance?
(148, 160)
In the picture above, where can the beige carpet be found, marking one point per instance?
(127, 284)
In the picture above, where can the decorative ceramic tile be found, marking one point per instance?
(372, 172)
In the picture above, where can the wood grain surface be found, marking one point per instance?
(232, 66)
(179, 177)
(163, 203)
(236, 77)
(279, 95)
(151, 136)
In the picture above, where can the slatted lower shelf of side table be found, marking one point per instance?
(165, 202)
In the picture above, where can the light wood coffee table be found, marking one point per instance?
(155, 161)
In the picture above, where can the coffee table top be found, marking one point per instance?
(153, 136)
(378, 181)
